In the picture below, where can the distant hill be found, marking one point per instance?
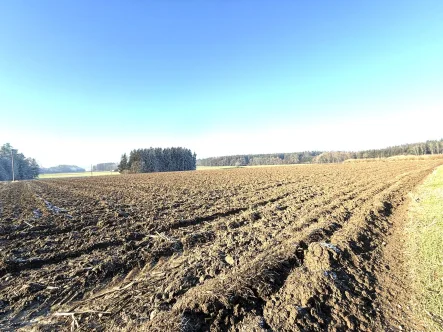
(62, 169)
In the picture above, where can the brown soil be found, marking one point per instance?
(303, 248)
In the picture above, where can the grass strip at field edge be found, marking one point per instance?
(424, 239)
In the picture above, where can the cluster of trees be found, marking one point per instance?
(158, 160)
(62, 169)
(261, 159)
(24, 168)
(104, 167)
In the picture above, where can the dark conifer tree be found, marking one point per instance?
(123, 163)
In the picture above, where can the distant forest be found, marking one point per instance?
(306, 157)
(103, 167)
(317, 157)
(24, 168)
(62, 169)
(158, 160)
(415, 149)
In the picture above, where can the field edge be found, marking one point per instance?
(423, 238)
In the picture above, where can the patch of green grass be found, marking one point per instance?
(77, 174)
(424, 243)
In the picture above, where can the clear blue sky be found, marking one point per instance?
(84, 81)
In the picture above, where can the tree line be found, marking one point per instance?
(24, 168)
(416, 149)
(158, 160)
(261, 159)
(319, 157)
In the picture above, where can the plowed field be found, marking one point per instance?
(254, 249)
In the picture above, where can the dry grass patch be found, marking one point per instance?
(424, 243)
